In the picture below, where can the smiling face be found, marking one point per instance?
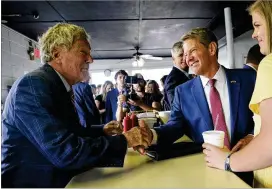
(179, 62)
(260, 32)
(150, 88)
(74, 63)
(197, 56)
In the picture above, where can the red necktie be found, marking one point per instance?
(217, 112)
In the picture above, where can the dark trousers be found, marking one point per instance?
(247, 177)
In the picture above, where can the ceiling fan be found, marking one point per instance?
(139, 58)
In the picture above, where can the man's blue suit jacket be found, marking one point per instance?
(84, 102)
(43, 144)
(111, 105)
(190, 113)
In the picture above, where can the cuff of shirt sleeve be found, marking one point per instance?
(155, 137)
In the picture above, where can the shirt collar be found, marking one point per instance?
(67, 86)
(219, 77)
(182, 71)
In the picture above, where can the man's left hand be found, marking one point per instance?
(113, 128)
(242, 143)
(215, 157)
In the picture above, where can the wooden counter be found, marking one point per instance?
(141, 172)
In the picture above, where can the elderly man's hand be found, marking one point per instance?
(242, 143)
(215, 157)
(113, 128)
(139, 136)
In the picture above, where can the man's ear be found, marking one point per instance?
(212, 48)
(57, 54)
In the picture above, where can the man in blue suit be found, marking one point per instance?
(178, 75)
(84, 102)
(111, 100)
(254, 57)
(43, 144)
(191, 112)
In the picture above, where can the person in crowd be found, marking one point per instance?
(93, 90)
(139, 76)
(111, 100)
(152, 87)
(162, 80)
(100, 100)
(254, 57)
(43, 143)
(84, 102)
(178, 75)
(210, 101)
(139, 102)
(98, 89)
(255, 154)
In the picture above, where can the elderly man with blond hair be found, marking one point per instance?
(43, 143)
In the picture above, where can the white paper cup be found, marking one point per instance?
(149, 121)
(215, 138)
(164, 116)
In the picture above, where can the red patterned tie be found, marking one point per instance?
(217, 112)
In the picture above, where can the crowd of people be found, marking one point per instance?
(54, 125)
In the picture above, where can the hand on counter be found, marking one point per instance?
(242, 143)
(113, 128)
(141, 149)
(139, 136)
(215, 157)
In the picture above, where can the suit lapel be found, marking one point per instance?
(200, 98)
(233, 83)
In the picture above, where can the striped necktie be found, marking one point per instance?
(72, 98)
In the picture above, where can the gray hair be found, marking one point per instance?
(177, 48)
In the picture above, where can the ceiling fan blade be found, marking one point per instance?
(150, 57)
(153, 58)
(145, 55)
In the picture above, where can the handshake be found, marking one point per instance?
(137, 137)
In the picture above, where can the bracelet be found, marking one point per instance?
(227, 163)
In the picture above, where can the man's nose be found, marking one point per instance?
(89, 59)
(187, 60)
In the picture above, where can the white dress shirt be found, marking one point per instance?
(222, 88)
(67, 86)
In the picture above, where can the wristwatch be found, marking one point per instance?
(227, 163)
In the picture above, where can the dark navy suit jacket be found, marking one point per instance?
(248, 67)
(175, 78)
(84, 102)
(190, 113)
(43, 144)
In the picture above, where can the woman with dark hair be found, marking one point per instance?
(100, 100)
(153, 88)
